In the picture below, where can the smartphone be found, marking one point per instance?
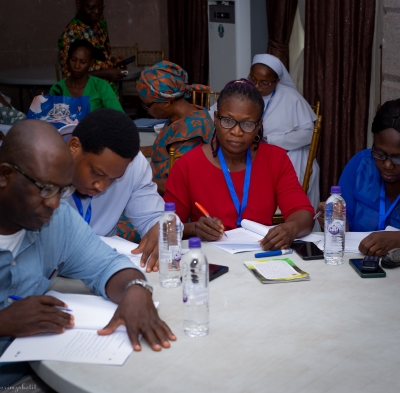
(307, 250)
(370, 264)
(216, 271)
(126, 61)
(356, 264)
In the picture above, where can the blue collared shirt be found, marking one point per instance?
(65, 238)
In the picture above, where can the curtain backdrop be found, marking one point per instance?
(188, 37)
(337, 71)
(280, 16)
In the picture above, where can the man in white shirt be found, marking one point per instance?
(111, 176)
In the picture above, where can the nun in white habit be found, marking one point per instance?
(288, 119)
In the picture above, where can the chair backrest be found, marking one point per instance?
(173, 156)
(123, 51)
(148, 57)
(317, 107)
(313, 152)
(204, 98)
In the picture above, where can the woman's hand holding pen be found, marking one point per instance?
(33, 315)
(321, 216)
(210, 229)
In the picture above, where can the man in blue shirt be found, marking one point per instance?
(38, 235)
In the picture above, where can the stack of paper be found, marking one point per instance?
(248, 237)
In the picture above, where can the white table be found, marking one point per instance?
(147, 138)
(46, 76)
(336, 333)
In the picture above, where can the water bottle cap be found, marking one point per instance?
(169, 207)
(194, 242)
(336, 190)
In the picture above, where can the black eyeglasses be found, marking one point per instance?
(48, 191)
(383, 157)
(246, 126)
(262, 84)
(147, 106)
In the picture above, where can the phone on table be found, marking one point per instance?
(126, 61)
(367, 269)
(307, 250)
(216, 271)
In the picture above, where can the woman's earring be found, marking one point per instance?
(257, 138)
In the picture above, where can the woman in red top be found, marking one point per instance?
(236, 177)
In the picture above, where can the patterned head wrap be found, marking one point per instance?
(165, 81)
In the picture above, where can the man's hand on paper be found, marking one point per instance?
(34, 315)
(209, 230)
(380, 243)
(137, 312)
(149, 247)
(279, 237)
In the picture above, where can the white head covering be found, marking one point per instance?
(274, 63)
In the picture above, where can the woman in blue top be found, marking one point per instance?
(370, 184)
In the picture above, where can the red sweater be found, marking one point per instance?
(273, 183)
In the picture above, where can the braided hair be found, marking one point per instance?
(244, 89)
(388, 116)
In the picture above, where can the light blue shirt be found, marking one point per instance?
(65, 238)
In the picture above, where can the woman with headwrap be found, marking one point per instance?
(288, 119)
(163, 89)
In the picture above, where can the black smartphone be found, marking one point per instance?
(126, 61)
(216, 270)
(307, 250)
(356, 264)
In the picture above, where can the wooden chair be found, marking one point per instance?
(123, 51)
(148, 57)
(172, 157)
(204, 98)
(278, 218)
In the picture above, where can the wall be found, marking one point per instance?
(30, 30)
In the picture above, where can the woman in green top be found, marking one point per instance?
(81, 55)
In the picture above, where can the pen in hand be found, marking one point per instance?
(205, 212)
(317, 215)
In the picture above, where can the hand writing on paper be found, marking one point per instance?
(34, 315)
(209, 229)
(137, 312)
(321, 217)
(149, 247)
(380, 243)
(279, 237)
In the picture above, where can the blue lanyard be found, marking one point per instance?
(239, 208)
(266, 106)
(78, 203)
(382, 202)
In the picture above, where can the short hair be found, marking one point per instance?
(81, 44)
(108, 128)
(388, 116)
(244, 89)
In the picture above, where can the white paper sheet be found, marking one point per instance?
(275, 269)
(81, 343)
(75, 345)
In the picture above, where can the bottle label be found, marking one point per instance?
(165, 256)
(336, 227)
(175, 253)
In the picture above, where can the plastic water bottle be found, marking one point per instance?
(169, 247)
(195, 290)
(335, 227)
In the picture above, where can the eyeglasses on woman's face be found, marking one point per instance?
(262, 84)
(48, 191)
(378, 155)
(146, 107)
(229, 123)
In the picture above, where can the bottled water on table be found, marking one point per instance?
(195, 290)
(335, 227)
(169, 247)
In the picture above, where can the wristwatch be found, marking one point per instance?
(141, 282)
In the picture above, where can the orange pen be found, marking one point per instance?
(205, 212)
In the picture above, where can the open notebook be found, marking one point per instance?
(81, 344)
(248, 236)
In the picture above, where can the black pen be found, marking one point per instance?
(56, 270)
